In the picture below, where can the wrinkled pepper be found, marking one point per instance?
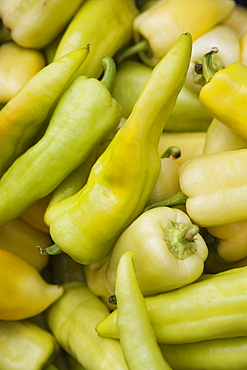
(35, 23)
(218, 96)
(212, 308)
(85, 115)
(188, 113)
(24, 345)
(24, 293)
(169, 251)
(226, 39)
(113, 21)
(17, 66)
(21, 238)
(87, 224)
(227, 354)
(162, 23)
(19, 125)
(136, 334)
(72, 320)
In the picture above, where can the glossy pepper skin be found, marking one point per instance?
(169, 252)
(35, 23)
(17, 66)
(20, 125)
(84, 116)
(218, 96)
(204, 310)
(25, 345)
(177, 16)
(72, 321)
(95, 216)
(113, 20)
(24, 293)
(136, 334)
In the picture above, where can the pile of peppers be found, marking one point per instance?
(123, 182)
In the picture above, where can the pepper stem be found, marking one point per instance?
(209, 65)
(180, 240)
(132, 50)
(172, 151)
(109, 72)
(52, 250)
(178, 199)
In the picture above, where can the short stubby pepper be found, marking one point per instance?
(84, 116)
(87, 224)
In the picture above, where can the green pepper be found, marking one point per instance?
(87, 224)
(188, 113)
(23, 116)
(136, 334)
(212, 308)
(83, 117)
(105, 25)
(24, 345)
(72, 321)
(35, 23)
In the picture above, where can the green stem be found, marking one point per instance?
(132, 50)
(180, 239)
(209, 65)
(172, 151)
(52, 250)
(176, 200)
(109, 72)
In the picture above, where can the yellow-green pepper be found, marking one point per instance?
(22, 118)
(212, 308)
(87, 224)
(24, 345)
(72, 321)
(17, 66)
(35, 23)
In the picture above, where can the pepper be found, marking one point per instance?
(218, 96)
(212, 308)
(136, 334)
(19, 125)
(34, 24)
(68, 141)
(237, 19)
(223, 37)
(87, 224)
(21, 238)
(72, 320)
(112, 19)
(177, 16)
(24, 293)
(188, 113)
(24, 345)
(226, 138)
(17, 66)
(229, 354)
(243, 43)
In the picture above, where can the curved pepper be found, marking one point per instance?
(212, 308)
(21, 238)
(24, 345)
(24, 293)
(222, 37)
(163, 22)
(69, 139)
(187, 114)
(218, 96)
(229, 354)
(72, 320)
(17, 66)
(35, 23)
(19, 125)
(136, 334)
(87, 224)
(105, 25)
